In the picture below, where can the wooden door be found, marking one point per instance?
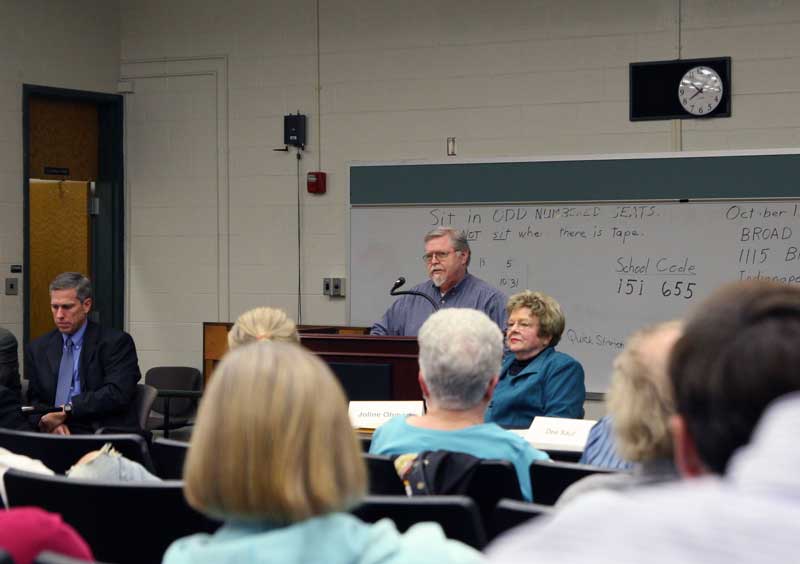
(63, 149)
(59, 241)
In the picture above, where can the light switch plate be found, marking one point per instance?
(12, 286)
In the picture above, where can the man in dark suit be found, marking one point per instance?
(10, 415)
(89, 371)
(9, 364)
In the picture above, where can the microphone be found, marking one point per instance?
(399, 282)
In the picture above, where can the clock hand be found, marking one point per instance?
(695, 94)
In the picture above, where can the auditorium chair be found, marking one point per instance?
(458, 515)
(383, 478)
(59, 452)
(549, 479)
(143, 398)
(168, 458)
(123, 522)
(493, 480)
(509, 513)
(171, 412)
(50, 557)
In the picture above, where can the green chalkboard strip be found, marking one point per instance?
(727, 176)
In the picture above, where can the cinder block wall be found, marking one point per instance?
(212, 209)
(387, 80)
(73, 44)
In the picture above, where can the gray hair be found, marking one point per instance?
(457, 237)
(70, 280)
(460, 351)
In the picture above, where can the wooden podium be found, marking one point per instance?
(339, 346)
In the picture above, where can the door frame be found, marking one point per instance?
(108, 232)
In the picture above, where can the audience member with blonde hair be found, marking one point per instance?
(535, 379)
(262, 324)
(273, 454)
(640, 404)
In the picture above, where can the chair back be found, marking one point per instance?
(457, 515)
(143, 401)
(50, 557)
(492, 481)
(510, 513)
(123, 522)
(174, 378)
(168, 458)
(549, 479)
(564, 455)
(383, 478)
(59, 452)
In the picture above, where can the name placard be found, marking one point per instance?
(557, 433)
(373, 414)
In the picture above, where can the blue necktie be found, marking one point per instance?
(65, 373)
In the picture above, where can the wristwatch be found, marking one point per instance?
(67, 408)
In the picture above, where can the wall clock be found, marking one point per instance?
(658, 89)
(700, 90)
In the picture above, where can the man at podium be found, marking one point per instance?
(447, 256)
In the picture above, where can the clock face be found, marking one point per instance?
(700, 91)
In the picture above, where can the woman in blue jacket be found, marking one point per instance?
(535, 379)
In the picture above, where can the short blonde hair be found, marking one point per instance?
(640, 398)
(273, 439)
(545, 309)
(262, 324)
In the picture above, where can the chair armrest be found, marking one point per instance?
(162, 393)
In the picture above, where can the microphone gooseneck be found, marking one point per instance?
(399, 282)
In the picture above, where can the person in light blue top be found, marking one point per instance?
(459, 359)
(535, 379)
(273, 454)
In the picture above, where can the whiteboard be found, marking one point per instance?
(614, 267)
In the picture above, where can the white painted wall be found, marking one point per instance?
(396, 78)
(66, 44)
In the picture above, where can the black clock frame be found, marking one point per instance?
(654, 88)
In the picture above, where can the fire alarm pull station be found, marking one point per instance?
(316, 182)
